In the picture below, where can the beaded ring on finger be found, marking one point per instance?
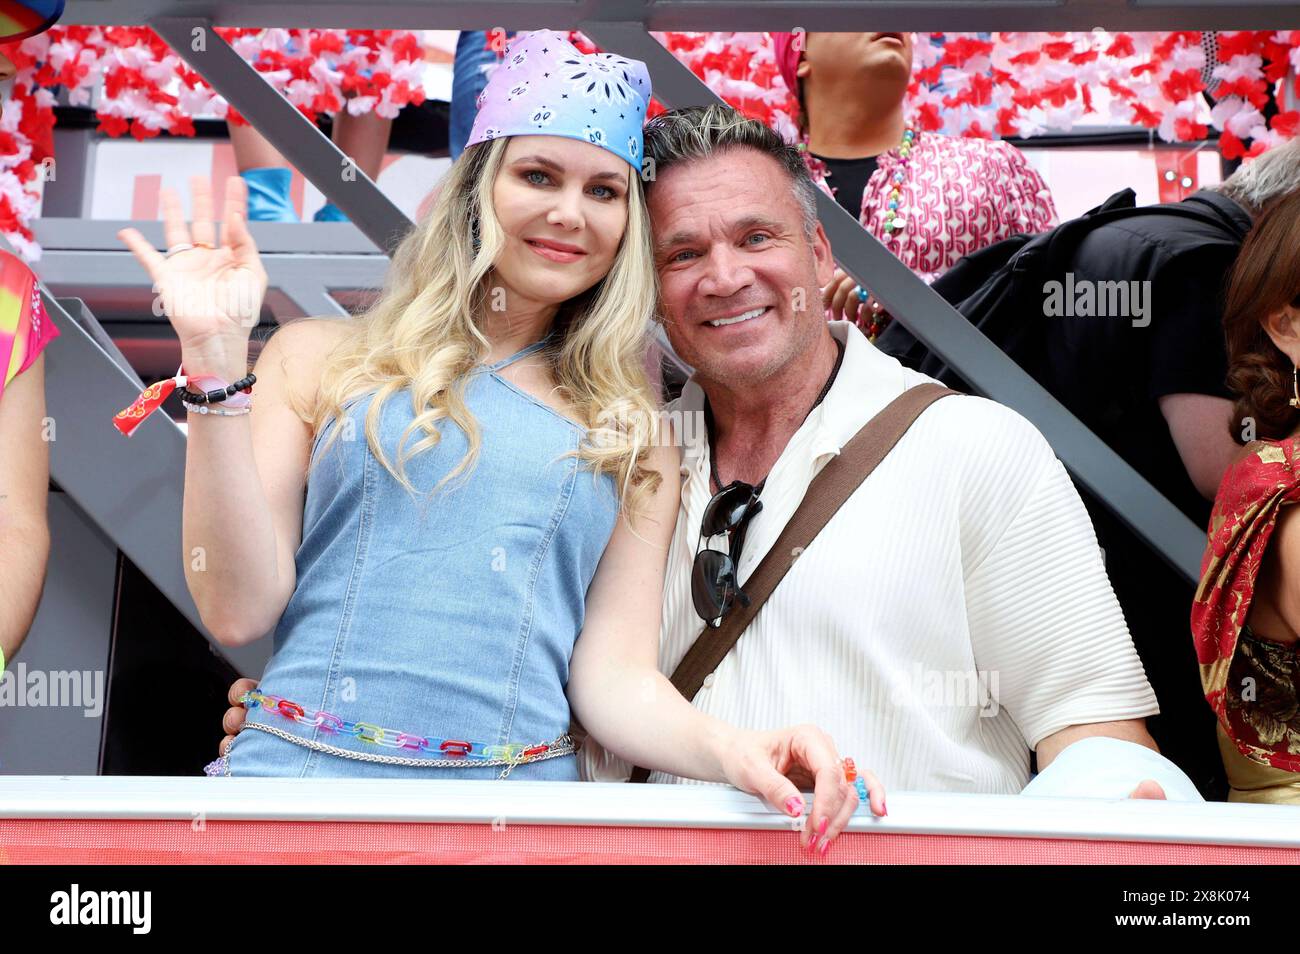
(857, 781)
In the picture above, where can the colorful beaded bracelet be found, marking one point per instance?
(391, 738)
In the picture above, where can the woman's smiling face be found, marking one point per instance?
(563, 206)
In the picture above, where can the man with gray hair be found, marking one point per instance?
(954, 615)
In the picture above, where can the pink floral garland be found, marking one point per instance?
(1025, 84)
(26, 149)
(1012, 84)
(146, 89)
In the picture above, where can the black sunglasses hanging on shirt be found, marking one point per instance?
(713, 578)
(714, 589)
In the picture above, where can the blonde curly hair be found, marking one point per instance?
(424, 334)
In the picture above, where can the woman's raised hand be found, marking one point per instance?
(210, 290)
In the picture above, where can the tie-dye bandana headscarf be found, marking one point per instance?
(546, 87)
(24, 328)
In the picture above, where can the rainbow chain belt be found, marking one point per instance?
(448, 753)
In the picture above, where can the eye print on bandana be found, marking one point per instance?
(517, 91)
(605, 80)
(542, 116)
(594, 135)
(491, 133)
(517, 60)
(632, 146)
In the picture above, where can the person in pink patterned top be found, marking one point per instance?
(25, 330)
(24, 453)
(929, 198)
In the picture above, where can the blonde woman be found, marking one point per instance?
(429, 503)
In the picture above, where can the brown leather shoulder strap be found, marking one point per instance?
(832, 486)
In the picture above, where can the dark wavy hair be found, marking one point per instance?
(1264, 280)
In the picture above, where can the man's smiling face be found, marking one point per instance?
(740, 278)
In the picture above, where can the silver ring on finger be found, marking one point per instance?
(179, 247)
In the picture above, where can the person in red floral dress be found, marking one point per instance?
(1246, 612)
(929, 198)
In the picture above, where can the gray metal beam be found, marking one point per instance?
(1124, 491)
(72, 633)
(941, 328)
(285, 127)
(848, 15)
(305, 262)
(326, 238)
(313, 300)
(67, 191)
(131, 488)
(316, 273)
(82, 315)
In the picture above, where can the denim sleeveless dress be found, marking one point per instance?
(448, 616)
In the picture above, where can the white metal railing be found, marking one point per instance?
(612, 804)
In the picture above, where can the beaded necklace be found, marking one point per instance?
(875, 320)
(894, 220)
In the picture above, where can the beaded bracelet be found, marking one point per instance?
(217, 395)
(151, 398)
(216, 409)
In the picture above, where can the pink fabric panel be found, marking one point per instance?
(61, 841)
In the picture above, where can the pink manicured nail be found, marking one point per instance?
(825, 845)
(794, 806)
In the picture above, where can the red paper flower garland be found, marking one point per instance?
(144, 89)
(1025, 84)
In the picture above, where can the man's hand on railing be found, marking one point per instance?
(1148, 788)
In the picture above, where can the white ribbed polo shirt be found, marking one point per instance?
(952, 614)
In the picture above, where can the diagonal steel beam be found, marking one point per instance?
(285, 127)
(940, 327)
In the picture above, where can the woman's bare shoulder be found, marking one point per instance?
(309, 339)
(297, 352)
